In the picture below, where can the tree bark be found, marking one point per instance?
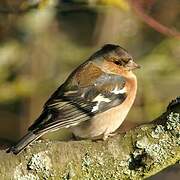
(137, 154)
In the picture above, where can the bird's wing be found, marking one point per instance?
(80, 98)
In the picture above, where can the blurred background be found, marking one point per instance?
(42, 41)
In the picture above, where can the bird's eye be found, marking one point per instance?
(118, 63)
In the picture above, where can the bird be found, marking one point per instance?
(92, 102)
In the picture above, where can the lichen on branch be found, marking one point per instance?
(137, 154)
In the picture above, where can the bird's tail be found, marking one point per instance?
(23, 142)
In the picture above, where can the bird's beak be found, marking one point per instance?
(135, 66)
(132, 65)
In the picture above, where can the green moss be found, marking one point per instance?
(70, 172)
(29, 176)
(86, 161)
(150, 151)
(137, 154)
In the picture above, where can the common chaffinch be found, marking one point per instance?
(93, 101)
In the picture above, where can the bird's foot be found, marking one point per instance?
(109, 135)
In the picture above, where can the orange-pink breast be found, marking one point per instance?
(110, 120)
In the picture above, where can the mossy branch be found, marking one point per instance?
(138, 154)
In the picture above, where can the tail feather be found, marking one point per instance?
(23, 142)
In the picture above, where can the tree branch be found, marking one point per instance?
(136, 4)
(137, 154)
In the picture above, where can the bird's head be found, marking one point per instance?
(115, 55)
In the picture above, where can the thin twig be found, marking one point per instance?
(136, 4)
